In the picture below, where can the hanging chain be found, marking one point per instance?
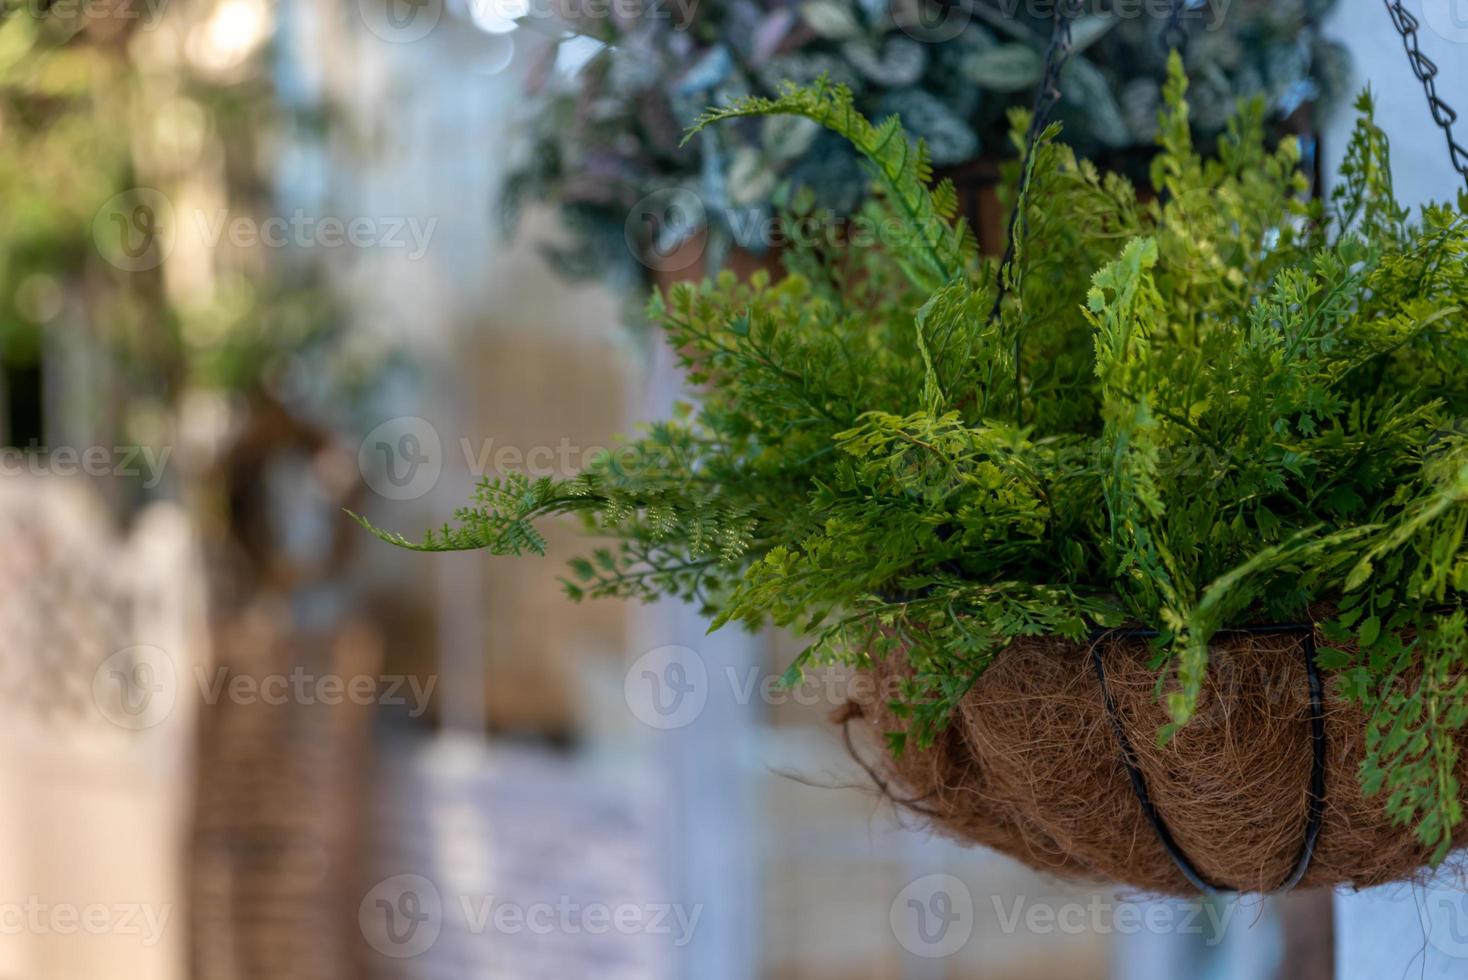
(1046, 98)
(1426, 71)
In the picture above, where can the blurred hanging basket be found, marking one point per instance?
(1038, 764)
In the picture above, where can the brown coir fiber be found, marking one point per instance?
(1030, 766)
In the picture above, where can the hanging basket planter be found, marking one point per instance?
(1047, 766)
(1154, 533)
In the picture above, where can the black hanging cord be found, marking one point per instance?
(1426, 71)
(1139, 783)
(1047, 96)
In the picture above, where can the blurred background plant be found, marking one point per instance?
(608, 103)
(58, 81)
(146, 147)
(128, 312)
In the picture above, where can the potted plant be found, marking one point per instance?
(1158, 560)
(607, 103)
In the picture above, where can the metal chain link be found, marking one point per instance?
(1046, 98)
(1057, 55)
(1426, 71)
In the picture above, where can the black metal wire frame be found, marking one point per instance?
(1139, 783)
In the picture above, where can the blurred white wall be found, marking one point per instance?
(103, 639)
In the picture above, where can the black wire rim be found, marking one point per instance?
(1139, 783)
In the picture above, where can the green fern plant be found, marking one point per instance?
(939, 248)
(1227, 405)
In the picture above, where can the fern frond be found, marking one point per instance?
(934, 250)
(1411, 752)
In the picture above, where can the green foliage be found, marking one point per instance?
(80, 109)
(1410, 749)
(1224, 406)
(933, 251)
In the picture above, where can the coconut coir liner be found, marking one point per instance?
(1030, 766)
